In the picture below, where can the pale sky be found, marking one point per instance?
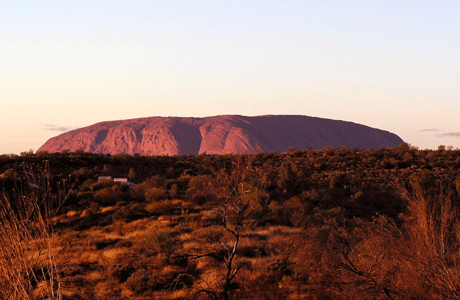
(392, 65)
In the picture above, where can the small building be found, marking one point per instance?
(103, 178)
(123, 181)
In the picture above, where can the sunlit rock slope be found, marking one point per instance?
(219, 135)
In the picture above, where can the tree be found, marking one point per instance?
(457, 185)
(240, 189)
(107, 170)
(362, 256)
(432, 234)
(423, 181)
(132, 174)
(235, 190)
(287, 179)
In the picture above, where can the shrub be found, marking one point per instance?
(201, 189)
(295, 211)
(105, 242)
(211, 234)
(155, 194)
(130, 213)
(139, 281)
(109, 196)
(28, 248)
(158, 242)
(121, 270)
(137, 192)
(160, 208)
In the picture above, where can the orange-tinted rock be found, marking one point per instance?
(219, 135)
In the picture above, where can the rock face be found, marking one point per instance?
(219, 135)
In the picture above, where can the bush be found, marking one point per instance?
(201, 189)
(160, 208)
(295, 211)
(138, 281)
(211, 234)
(130, 213)
(121, 270)
(155, 194)
(105, 242)
(109, 196)
(158, 242)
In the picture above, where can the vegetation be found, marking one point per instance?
(306, 224)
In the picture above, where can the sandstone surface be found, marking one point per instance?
(219, 135)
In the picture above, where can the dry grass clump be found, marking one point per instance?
(28, 250)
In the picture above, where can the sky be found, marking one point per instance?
(391, 65)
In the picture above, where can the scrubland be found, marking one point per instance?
(306, 224)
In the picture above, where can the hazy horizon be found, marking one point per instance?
(389, 65)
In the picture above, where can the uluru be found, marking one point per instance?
(219, 135)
